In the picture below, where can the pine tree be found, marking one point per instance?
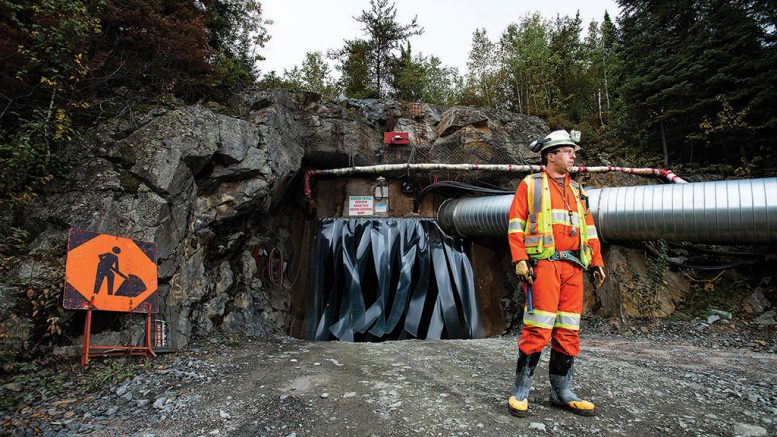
(236, 29)
(416, 78)
(355, 68)
(601, 63)
(683, 63)
(571, 89)
(384, 36)
(408, 75)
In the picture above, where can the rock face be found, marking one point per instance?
(207, 188)
(172, 179)
(635, 288)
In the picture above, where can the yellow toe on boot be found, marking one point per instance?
(518, 408)
(583, 408)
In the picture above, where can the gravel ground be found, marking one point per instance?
(657, 378)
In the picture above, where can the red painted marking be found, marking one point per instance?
(308, 190)
(396, 138)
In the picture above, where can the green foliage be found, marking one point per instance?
(111, 371)
(49, 59)
(129, 182)
(236, 29)
(67, 61)
(313, 75)
(482, 67)
(13, 240)
(233, 341)
(31, 382)
(645, 292)
(365, 64)
(232, 72)
(545, 68)
(272, 80)
(354, 65)
(31, 157)
(718, 292)
(407, 75)
(687, 64)
(421, 79)
(440, 83)
(385, 35)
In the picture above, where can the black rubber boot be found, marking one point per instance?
(518, 404)
(561, 394)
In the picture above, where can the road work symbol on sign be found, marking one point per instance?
(110, 273)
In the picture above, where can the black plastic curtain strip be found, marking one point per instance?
(384, 279)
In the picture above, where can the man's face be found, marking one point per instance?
(562, 159)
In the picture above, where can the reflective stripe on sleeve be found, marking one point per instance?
(532, 241)
(591, 230)
(516, 225)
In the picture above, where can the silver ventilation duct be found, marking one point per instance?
(721, 212)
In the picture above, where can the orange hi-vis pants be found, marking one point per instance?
(557, 295)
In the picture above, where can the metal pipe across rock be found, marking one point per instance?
(719, 212)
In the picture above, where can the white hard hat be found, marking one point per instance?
(556, 139)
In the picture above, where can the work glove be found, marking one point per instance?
(598, 276)
(524, 271)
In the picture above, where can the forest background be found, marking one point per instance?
(690, 85)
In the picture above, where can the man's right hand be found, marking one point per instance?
(524, 271)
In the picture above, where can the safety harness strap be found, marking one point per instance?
(566, 255)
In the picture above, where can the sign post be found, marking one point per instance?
(109, 273)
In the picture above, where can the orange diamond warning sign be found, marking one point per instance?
(109, 273)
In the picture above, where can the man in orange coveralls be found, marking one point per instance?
(552, 240)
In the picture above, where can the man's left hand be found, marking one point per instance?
(598, 276)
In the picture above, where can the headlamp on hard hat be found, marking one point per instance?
(556, 139)
(536, 145)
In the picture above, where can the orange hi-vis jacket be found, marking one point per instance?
(563, 222)
(558, 289)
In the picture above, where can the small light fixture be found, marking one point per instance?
(381, 189)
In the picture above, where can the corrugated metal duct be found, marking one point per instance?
(720, 212)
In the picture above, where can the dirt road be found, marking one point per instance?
(288, 387)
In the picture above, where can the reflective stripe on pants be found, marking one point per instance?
(558, 301)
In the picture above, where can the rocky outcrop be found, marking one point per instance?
(172, 179)
(206, 184)
(636, 286)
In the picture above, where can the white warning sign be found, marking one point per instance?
(360, 206)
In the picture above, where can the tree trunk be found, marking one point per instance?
(601, 119)
(663, 143)
(606, 89)
(46, 124)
